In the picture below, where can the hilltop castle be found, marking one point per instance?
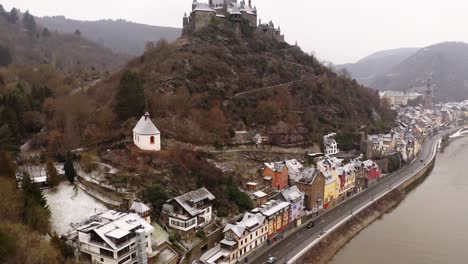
(203, 13)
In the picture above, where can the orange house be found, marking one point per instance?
(279, 174)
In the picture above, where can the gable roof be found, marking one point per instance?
(115, 225)
(292, 194)
(145, 126)
(193, 197)
(139, 207)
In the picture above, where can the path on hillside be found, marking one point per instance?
(272, 87)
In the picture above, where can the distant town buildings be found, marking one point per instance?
(145, 134)
(399, 98)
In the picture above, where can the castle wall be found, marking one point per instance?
(252, 19)
(200, 19)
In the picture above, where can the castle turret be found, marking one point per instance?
(194, 4)
(186, 25)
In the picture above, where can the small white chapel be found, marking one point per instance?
(145, 134)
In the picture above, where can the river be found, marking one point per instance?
(428, 227)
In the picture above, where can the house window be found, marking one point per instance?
(152, 140)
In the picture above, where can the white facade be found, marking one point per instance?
(330, 145)
(240, 239)
(189, 211)
(116, 238)
(145, 134)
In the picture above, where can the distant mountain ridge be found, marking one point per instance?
(120, 35)
(368, 68)
(34, 45)
(444, 64)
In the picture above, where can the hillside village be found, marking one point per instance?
(150, 197)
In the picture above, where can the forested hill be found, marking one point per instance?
(119, 35)
(204, 87)
(24, 42)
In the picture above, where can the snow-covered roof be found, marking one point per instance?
(259, 194)
(250, 221)
(292, 194)
(276, 166)
(139, 207)
(307, 175)
(294, 166)
(271, 207)
(192, 197)
(204, 7)
(115, 225)
(145, 126)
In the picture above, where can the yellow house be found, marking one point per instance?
(332, 188)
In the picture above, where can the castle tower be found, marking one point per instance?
(428, 98)
(194, 4)
(186, 25)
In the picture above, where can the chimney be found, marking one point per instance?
(250, 3)
(147, 115)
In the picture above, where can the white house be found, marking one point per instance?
(330, 145)
(240, 239)
(115, 238)
(145, 134)
(189, 211)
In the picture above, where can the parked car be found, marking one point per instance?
(271, 260)
(310, 225)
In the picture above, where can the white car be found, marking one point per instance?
(271, 260)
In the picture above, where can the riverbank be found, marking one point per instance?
(326, 249)
(424, 227)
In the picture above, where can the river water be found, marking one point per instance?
(428, 227)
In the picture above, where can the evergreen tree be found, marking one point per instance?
(7, 140)
(29, 23)
(46, 33)
(52, 175)
(13, 16)
(2, 11)
(130, 98)
(70, 170)
(36, 213)
(5, 56)
(7, 166)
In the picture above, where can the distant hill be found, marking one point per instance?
(29, 44)
(119, 35)
(446, 64)
(367, 69)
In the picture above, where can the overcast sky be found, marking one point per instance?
(335, 30)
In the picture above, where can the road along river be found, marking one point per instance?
(428, 227)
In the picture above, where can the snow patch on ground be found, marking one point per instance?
(159, 235)
(68, 206)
